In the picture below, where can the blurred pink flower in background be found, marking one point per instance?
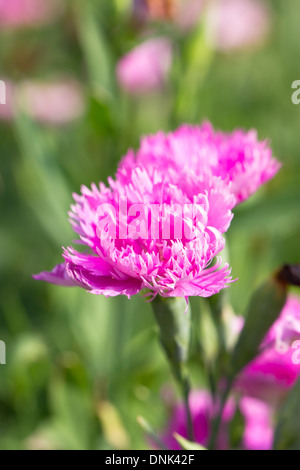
(156, 10)
(184, 13)
(54, 103)
(239, 158)
(140, 10)
(287, 327)
(234, 24)
(18, 13)
(57, 102)
(229, 24)
(259, 388)
(189, 13)
(259, 431)
(257, 416)
(274, 371)
(146, 67)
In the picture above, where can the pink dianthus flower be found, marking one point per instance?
(144, 231)
(239, 158)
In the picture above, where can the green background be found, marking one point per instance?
(81, 368)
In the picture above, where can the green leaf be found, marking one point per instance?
(280, 210)
(236, 429)
(72, 415)
(264, 308)
(287, 434)
(123, 6)
(191, 74)
(187, 445)
(96, 51)
(40, 174)
(145, 426)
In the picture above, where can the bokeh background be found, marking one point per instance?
(81, 368)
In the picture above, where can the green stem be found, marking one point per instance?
(217, 422)
(174, 321)
(186, 389)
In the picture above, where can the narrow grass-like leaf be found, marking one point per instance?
(287, 434)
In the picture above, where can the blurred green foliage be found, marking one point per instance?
(81, 368)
